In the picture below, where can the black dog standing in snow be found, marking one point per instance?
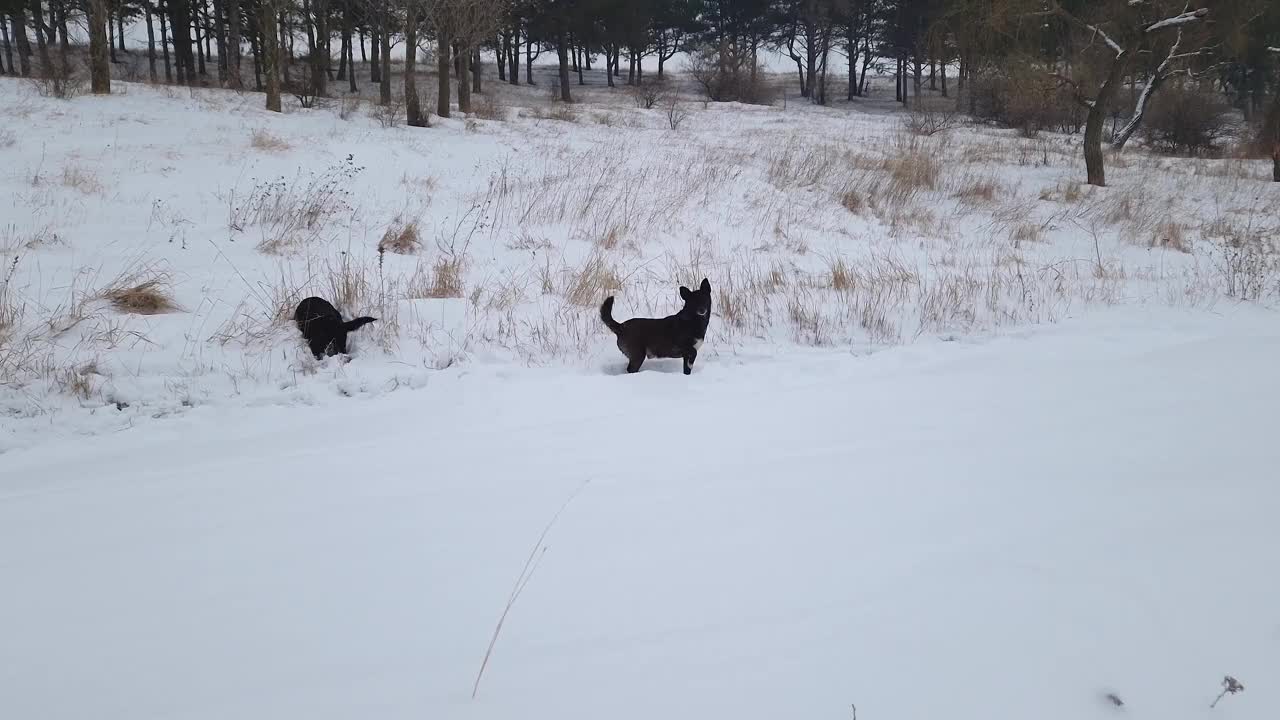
(321, 324)
(674, 336)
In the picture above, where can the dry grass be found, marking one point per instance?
(487, 106)
(1170, 235)
(1026, 232)
(262, 140)
(443, 278)
(401, 238)
(589, 284)
(80, 179)
(977, 190)
(913, 165)
(144, 291)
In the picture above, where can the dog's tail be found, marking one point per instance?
(357, 323)
(606, 314)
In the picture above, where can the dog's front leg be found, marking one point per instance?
(690, 356)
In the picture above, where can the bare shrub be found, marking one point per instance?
(391, 114)
(649, 94)
(1020, 96)
(677, 113)
(349, 106)
(729, 74)
(1249, 260)
(11, 309)
(265, 141)
(400, 238)
(487, 106)
(142, 291)
(1186, 121)
(59, 82)
(291, 213)
(929, 117)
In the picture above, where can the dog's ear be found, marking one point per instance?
(705, 286)
(684, 293)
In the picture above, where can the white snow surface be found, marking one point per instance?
(1011, 528)
(966, 439)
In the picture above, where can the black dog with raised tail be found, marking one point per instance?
(322, 326)
(674, 336)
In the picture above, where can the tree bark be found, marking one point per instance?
(384, 78)
(412, 105)
(151, 43)
(271, 54)
(1271, 135)
(18, 19)
(463, 66)
(1093, 159)
(99, 59)
(1144, 98)
(235, 80)
(476, 75)
(162, 11)
(42, 43)
(513, 58)
(180, 28)
(443, 47)
(562, 50)
(375, 64)
(8, 48)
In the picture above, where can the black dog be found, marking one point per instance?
(674, 336)
(321, 324)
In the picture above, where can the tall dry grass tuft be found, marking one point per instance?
(143, 291)
(590, 283)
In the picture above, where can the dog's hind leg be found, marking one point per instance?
(636, 360)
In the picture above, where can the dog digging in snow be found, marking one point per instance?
(322, 326)
(674, 336)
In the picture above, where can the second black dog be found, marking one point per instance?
(322, 326)
(674, 336)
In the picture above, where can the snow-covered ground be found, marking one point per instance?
(966, 437)
(1006, 528)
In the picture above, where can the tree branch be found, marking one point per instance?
(1178, 20)
(1057, 9)
(1076, 93)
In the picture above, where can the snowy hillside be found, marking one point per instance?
(967, 438)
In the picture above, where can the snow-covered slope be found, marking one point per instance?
(1010, 528)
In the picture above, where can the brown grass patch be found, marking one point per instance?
(589, 284)
(1171, 235)
(146, 291)
(265, 141)
(401, 238)
(441, 279)
(77, 178)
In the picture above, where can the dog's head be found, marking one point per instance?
(698, 302)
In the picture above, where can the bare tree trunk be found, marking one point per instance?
(99, 60)
(199, 40)
(463, 65)
(476, 75)
(384, 79)
(562, 50)
(255, 49)
(180, 26)
(1271, 135)
(412, 105)
(528, 63)
(233, 45)
(220, 37)
(1093, 159)
(164, 40)
(42, 43)
(151, 43)
(271, 54)
(443, 46)
(375, 65)
(8, 46)
(18, 18)
(504, 47)
(513, 72)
